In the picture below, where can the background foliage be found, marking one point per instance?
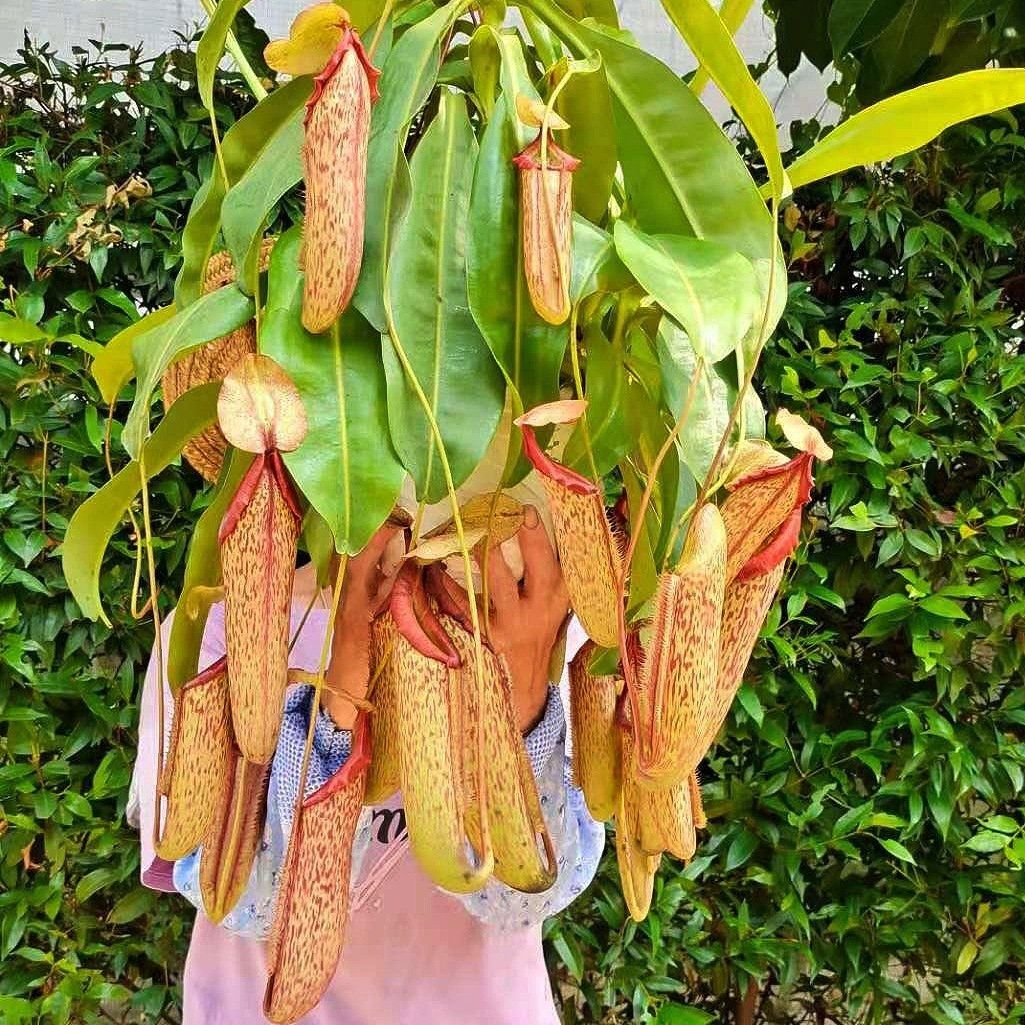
(863, 860)
(882, 46)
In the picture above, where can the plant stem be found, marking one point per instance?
(713, 469)
(578, 383)
(240, 59)
(637, 526)
(158, 641)
(379, 27)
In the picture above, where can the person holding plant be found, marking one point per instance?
(413, 952)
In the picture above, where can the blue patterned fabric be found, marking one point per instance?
(578, 840)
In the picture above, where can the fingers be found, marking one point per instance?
(541, 571)
(370, 574)
(504, 591)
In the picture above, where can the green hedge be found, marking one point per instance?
(863, 861)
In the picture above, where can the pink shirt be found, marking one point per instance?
(414, 955)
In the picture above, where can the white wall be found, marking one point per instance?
(154, 22)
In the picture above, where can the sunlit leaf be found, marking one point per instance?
(711, 291)
(447, 354)
(910, 119)
(96, 519)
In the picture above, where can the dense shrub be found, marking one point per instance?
(98, 161)
(862, 862)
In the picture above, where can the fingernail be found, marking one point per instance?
(531, 518)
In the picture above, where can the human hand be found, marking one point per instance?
(366, 585)
(526, 617)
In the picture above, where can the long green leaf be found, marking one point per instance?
(202, 569)
(910, 119)
(733, 14)
(249, 202)
(711, 291)
(241, 146)
(346, 467)
(709, 409)
(607, 439)
(528, 350)
(114, 367)
(406, 82)
(853, 23)
(712, 44)
(596, 265)
(95, 520)
(430, 315)
(211, 47)
(586, 104)
(209, 317)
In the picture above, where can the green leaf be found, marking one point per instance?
(94, 881)
(740, 850)
(250, 201)
(114, 367)
(897, 849)
(908, 120)
(711, 42)
(528, 350)
(899, 53)
(986, 842)
(241, 146)
(890, 604)
(607, 440)
(586, 105)
(678, 1014)
(346, 467)
(406, 82)
(202, 569)
(969, 952)
(131, 906)
(733, 14)
(711, 291)
(432, 325)
(855, 23)
(709, 409)
(596, 265)
(20, 332)
(570, 955)
(211, 47)
(211, 316)
(943, 607)
(95, 520)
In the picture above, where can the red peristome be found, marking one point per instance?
(547, 466)
(350, 41)
(356, 764)
(243, 496)
(529, 158)
(288, 493)
(404, 613)
(781, 547)
(801, 464)
(207, 674)
(271, 462)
